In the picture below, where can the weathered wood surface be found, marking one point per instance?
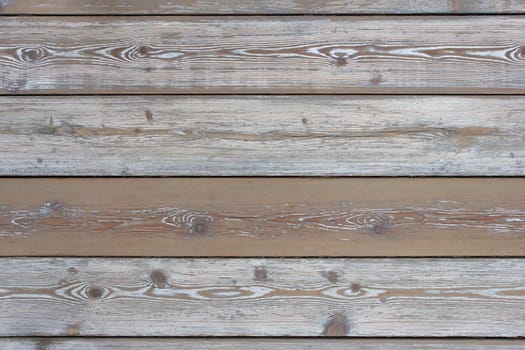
(262, 217)
(162, 7)
(338, 54)
(262, 297)
(256, 344)
(270, 135)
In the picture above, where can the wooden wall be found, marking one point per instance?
(194, 174)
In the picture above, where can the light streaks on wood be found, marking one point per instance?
(336, 53)
(256, 135)
(252, 55)
(256, 344)
(295, 259)
(262, 217)
(160, 7)
(295, 297)
(59, 217)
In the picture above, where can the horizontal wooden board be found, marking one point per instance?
(262, 297)
(162, 7)
(262, 135)
(200, 54)
(255, 344)
(262, 217)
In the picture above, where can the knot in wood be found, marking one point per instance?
(95, 292)
(331, 276)
(199, 225)
(260, 274)
(31, 55)
(337, 326)
(143, 50)
(158, 278)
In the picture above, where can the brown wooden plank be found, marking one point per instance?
(262, 297)
(328, 54)
(262, 135)
(256, 344)
(262, 217)
(162, 7)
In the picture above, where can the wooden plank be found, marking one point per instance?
(262, 217)
(56, 55)
(161, 7)
(262, 135)
(262, 297)
(256, 344)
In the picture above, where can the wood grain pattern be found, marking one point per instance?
(262, 217)
(262, 297)
(199, 54)
(262, 135)
(256, 344)
(161, 7)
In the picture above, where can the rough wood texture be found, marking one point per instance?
(262, 55)
(253, 135)
(162, 7)
(262, 297)
(262, 217)
(257, 344)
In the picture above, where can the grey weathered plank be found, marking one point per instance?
(262, 297)
(162, 7)
(54, 55)
(262, 217)
(272, 135)
(256, 344)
